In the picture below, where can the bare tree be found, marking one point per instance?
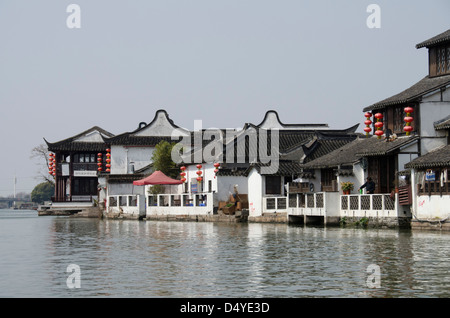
(40, 155)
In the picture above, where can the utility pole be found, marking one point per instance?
(15, 182)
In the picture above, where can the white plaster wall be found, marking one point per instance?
(255, 193)
(122, 156)
(433, 206)
(432, 111)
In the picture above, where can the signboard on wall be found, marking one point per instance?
(82, 173)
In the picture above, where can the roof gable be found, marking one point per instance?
(272, 121)
(161, 125)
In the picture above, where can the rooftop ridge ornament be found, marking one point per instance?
(408, 119)
(367, 122)
(379, 125)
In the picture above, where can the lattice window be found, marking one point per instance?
(132, 200)
(281, 203)
(441, 57)
(112, 201)
(292, 200)
(389, 203)
(319, 200)
(270, 204)
(448, 59)
(301, 200)
(365, 202)
(310, 197)
(377, 202)
(354, 203)
(344, 202)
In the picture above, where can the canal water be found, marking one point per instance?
(74, 257)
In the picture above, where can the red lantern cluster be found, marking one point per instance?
(199, 173)
(108, 160)
(408, 120)
(379, 125)
(367, 122)
(183, 174)
(52, 164)
(216, 168)
(99, 161)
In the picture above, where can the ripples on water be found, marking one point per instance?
(189, 259)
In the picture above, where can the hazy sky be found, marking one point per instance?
(224, 62)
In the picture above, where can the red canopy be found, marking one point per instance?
(157, 177)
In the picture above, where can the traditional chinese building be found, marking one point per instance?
(75, 163)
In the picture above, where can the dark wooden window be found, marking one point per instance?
(85, 186)
(273, 185)
(439, 60)
(327, 176)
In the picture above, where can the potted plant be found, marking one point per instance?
(347, 187)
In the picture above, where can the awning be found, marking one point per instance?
(157, 177)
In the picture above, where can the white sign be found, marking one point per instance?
(81, 173)
(65, 169)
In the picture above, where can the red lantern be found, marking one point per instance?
(183, 174)
(408, 110)
(379, 133)
(199, 166)
(378, 124)
(199, 179)
(408, 119)
(182, 168)
(199, 172)
(217, 165)
(367, 130)
(108, 165)
(408, 129)
(183, 179)
(379, 116)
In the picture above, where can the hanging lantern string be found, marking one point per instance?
(408, 119)
(379, 125)
(367, 122)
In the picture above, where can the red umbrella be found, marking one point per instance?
(157, 177)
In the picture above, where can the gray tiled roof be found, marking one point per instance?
(435, 40)
(355, 150)
(413, 93)
(69, 144)
(437, 158)
(442, 124)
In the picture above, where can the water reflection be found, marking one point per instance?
(189, 259)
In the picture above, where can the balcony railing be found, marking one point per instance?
(75, 198)
(379, 202)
